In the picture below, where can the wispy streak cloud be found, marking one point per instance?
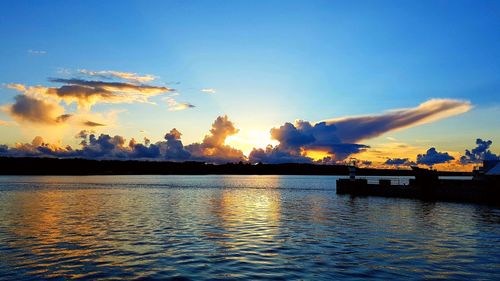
(354, 129)
(208, 90)
(110, 74)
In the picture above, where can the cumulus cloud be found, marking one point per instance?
(212, 149)
(173, 148)
(277, 155)
(296, 139)
(479, 153)
(339, 137)
(433, 157)
(213, 146)
(399, 162)
(110, 74)
(38, 147)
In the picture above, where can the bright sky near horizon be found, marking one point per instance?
(141, 68)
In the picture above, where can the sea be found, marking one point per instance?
(215, 227)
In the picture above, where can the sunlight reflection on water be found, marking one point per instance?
(234, 227)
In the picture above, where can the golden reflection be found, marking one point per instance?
(62, 224)
(249, 216)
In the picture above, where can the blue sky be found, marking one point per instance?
(270, 61)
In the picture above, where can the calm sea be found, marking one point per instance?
(234, 227)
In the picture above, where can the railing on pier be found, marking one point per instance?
(393, 180)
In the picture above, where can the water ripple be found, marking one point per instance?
(234, 228)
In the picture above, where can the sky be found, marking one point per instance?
(320, 81)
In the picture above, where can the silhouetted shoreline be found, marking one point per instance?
(76, 166)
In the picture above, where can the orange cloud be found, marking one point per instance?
(174, 105)
(88, 93)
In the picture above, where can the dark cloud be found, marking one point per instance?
(111, 86)
(344, 150)
(433, 157)
(276, 155)
(145, 151)
(291, 137)
(173, 147)
(399, 162)
(4, 148)
(63, 118)
(479, 153)
(92, 124)
(33, 110)
(366, 163)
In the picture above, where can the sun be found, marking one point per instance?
(246, 140)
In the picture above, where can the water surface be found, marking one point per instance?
(234, 227)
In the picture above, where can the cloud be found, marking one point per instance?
(208, 90)
(173, 105)
(92, 124)
(17, 87)
(63, 118)
(399, 162)
(38, 147)
(213, 147)
(173, 148)
(92, 146)
(7, 123)
(366, 163)
(86, 93)
(33, 110)
(37, 52)
(433, 157)
(277, 155)
(354, 129)
(479, 153)
(339, 137)
(296, 139)
(110, 74)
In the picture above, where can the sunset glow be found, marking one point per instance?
(296, 89)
